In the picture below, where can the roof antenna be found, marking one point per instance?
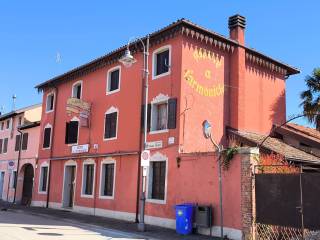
(14, 97)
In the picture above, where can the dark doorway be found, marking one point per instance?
(69, 184)
(27, 185)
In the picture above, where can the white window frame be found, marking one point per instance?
(75, 119)
(157, 157)
(47, 126)
(108, 92)
(54, 101)
(67, 164)
(101, 185)
(12, 179)
(154, 60)
(73, 86)
(112, 109)
(43, 165)
(88, 162)
(160, 99)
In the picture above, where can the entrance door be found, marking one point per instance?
(1, 183)
(69, 184)
(27, 185)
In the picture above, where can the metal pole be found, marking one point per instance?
(141, 224)
(18, 165)
(220, 185)
(301, 202)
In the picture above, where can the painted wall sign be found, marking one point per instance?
(75, 105)
(202, 54)
(155, 144)
(80, 148)
(213, 91)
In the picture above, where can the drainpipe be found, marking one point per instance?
(52, 142)
(18, 165)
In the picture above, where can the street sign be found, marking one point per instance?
(145, 158)
(11, 165)
(80, 148)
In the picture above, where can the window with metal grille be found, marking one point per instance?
(5, 145)
(43, 179)
(111, 125)
(158, 179)
(113, 80)
(88, 172)
(47, 138)
(72, 129)
(107, 179)
(162, 62)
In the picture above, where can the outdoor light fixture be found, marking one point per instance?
(127, 60)
(207, 132)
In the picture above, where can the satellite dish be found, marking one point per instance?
(206, 127)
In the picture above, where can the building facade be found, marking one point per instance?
(19, 141)
(91, 135)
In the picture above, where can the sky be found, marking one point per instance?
(42, 39)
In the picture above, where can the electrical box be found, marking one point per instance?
(203, 216)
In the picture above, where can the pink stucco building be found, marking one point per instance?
(19, 133)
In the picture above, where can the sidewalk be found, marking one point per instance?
(152, 232)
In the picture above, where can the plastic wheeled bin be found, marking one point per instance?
(184, 218)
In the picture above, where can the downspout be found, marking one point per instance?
(52, 142)
(18, 165)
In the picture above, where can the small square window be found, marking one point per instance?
(161, 62)
(113, 83)
(50, 102)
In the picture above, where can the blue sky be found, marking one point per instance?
(33, 32)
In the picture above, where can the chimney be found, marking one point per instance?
(237, 25)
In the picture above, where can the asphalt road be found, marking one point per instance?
(17, 225)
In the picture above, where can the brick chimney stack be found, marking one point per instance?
(237, 25)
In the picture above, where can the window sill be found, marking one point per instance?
(48, 148)
(109, 139)
(154, 77)
(156, 201)
(159, 131)
(106, 197)
(43, 193)
(86, 196)
(49, 111)
(72, 144)
(112, 92)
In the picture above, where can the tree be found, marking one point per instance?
(311, 98)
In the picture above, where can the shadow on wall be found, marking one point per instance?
(278, 115)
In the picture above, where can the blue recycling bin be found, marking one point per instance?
(184, 218)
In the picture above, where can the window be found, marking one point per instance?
(110, 125)
(43, 179)
(8, 124)
(163, 113)
(50, 102)
(5, 145)
(25, 137)
(20, 121)
(2, 126)
(1, 145)
(13, 180)
(72, 130)
(47, 137)
(161, 62)
(87, 180)
(157, 178)
(107, 179)
(77, 90)
(17, 145)
(113, 80)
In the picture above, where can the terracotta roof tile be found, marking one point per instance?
(311, 132)
(277, 146)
